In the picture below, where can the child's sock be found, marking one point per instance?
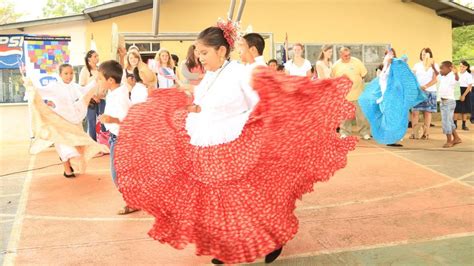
(464, 123)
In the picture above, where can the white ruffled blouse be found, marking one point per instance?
(226, 100)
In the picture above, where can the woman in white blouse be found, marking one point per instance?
(324, 64)
(97, 104)
(426, 72)
(298, 66)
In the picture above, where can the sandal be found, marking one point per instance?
(69, 176)
(448, 145)
(458, 141)
(127, 210)
(425, 137)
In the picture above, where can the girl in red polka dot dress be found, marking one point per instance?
(225, 172)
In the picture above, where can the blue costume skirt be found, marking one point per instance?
(389, 118)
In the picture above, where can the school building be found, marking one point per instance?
(368, 27)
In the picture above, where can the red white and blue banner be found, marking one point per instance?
(11, 51)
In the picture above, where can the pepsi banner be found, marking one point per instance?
(11, 51)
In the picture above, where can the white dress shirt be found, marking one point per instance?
(116, 105)
(424, 76)
(67, 99)
(447, 84)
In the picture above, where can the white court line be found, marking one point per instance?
(425, 167)
(383, 245)
(15, 234)
(87, 219)
(423, 189)
(9, 195)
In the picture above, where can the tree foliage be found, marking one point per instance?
(7, 12)
(463, 43)
(59, 8)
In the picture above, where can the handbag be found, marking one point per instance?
(102, 137)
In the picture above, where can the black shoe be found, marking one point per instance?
(431, 125)
(69, 176)
(216, 261)
(269, 258)
(395, 145)
(465, 128)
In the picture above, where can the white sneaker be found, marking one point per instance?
(366, 137)
(343, 136)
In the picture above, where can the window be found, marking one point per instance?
(370, 54)
(11, 86)
(144, 47)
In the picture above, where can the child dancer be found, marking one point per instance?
(463, 105)
(139, 92)
(117, 104)
(61, 123)
(226, 175)
(448, 79)
(387, 99)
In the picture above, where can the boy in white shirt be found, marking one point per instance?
(448, 79)
(117, 104)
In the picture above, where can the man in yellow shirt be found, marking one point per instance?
(355, 70)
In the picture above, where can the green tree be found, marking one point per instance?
(59, 8)
(7, 12)
(463, 43)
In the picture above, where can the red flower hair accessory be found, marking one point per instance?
(231, 31)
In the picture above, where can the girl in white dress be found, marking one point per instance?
(68, 100)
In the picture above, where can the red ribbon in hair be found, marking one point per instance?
(231, 31)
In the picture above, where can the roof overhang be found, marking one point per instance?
(458, 14)
(115, 9)
(97, 13)
(40, 22)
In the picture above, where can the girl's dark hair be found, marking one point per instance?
(63, 66)
(393, 51)
(191, 62)
(86, 59)
(214, 37)
(427, 50)
(466, 64)
(136, 75)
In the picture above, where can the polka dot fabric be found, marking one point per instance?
(234, 201)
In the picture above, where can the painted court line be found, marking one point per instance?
(9, 195)
(383, 245)
(423, 189)
(15, 234)
(458, 180)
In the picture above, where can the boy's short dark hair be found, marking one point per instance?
(63, 66)
(273, 61)
(448, 64)
(112, 69)
(280, 68)
(255, 39)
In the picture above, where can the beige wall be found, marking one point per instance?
(408, 27)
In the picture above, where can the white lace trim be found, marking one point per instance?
(205, 132)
